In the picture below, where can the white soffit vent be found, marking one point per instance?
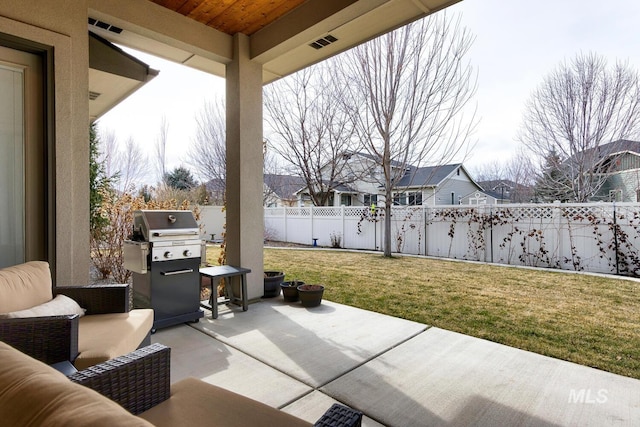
(324, 41)
(105, 26)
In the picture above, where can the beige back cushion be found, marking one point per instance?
(24, 286)
(34, 394)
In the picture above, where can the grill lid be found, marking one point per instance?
(154, 225)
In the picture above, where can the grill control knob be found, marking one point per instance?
(187, 253)
(168, 254)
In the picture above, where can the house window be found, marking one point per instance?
(399, 199)
(453, 198)
(638, 195)
(370, 199)
(345, 199)
(415, 199)
(615, 195)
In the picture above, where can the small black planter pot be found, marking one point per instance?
(272, 281)
(290, 290)
(310, 295)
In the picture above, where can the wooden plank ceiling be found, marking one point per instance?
(232, 16)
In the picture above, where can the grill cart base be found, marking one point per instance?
(172, 290)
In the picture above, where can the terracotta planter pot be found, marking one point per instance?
(310, 295)
(272, 281)
(290, 290)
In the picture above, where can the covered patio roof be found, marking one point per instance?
(285, 35)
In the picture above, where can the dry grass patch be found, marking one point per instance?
(585, 319)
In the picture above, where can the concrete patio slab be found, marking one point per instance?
(398, 373)
(442, 378)
(312, 406)
(194, 354)
(314, 345)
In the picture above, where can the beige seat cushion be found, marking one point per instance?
(24, 286)
(34, 394)
(194, 402)
(104, 336)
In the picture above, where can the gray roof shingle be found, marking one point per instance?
(428, 176)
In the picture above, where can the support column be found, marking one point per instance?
(245, 216)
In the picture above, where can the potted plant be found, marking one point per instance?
(310, 295)
(272, 281)
(290, 290)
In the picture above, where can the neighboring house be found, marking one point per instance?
(279, 190)
(621, 161)
(507, 191)
(500, 190)
(480, 198)
(432, 185)
(435, 185)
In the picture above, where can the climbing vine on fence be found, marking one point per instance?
(526, 237)
(373, 215)
(620, 248)
(409, 223)
(597, 237)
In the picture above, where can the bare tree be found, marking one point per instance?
(521, 171)
(108, 148)
(310, 128)
(208, 155)
(126, 165)
(131, 162)
(515, 176)
(161, 149)
(407, 91)
(274, 187)
(579, 107)
(275, 183)
(491, 171)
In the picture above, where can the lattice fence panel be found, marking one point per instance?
(597, 237)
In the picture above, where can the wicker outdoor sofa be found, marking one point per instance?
(131, 390)
(84, 325)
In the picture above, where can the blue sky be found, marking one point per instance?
(517, 43)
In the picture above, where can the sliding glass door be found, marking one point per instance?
(22, 158)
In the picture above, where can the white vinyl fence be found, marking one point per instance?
(598, 237)
(212, 220)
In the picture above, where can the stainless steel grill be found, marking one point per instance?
(164, 254)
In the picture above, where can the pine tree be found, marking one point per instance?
(552, 183)
(180, 178)
(99, 184)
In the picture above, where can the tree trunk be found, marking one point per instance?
(387, 230)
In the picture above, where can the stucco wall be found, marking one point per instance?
(63, 26)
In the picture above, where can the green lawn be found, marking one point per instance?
(590, 320)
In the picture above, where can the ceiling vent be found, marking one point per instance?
(104, 26)
(324, 41)
(93, 95)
